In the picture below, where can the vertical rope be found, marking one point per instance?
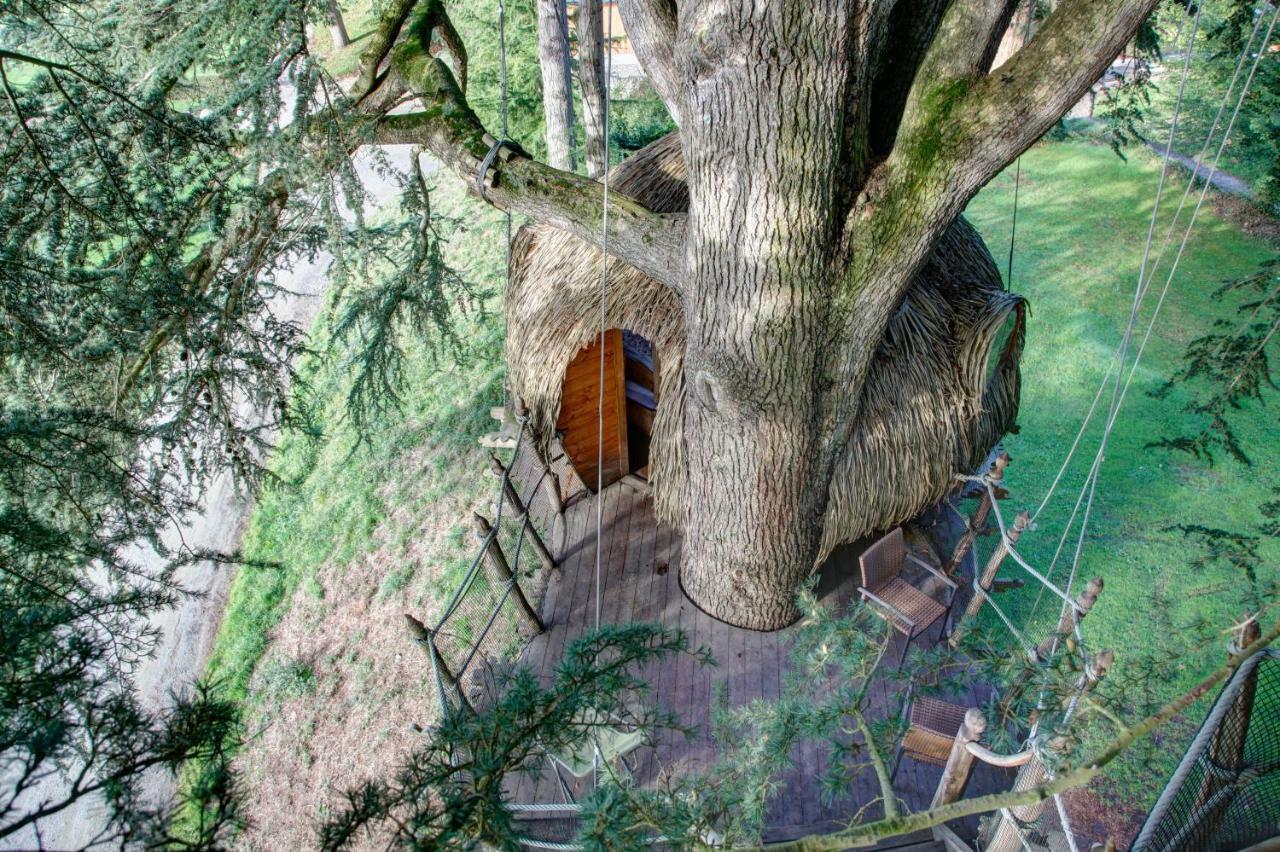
(506, 278)
(604, 281)
(1017, 168)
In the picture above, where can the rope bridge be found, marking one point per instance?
(1225, 794)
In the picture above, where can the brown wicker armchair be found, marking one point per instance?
(932, 725)
(910, 610)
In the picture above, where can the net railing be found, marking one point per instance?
(479, 624)
(1225, 793)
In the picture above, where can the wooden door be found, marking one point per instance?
(579, 423)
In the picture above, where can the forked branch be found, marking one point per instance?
(448, 127)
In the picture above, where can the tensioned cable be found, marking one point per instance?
(502, 89)
(1120, 393)
(1146, 252)
(1168, 281)
(1118, 360)
(604, 281)
(1017, 172)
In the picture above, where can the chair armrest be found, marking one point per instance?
(897, 613)
(934, 571)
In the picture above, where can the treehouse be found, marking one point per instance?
(593, 357)
(942, 391)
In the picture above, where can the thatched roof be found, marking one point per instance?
(927, 410)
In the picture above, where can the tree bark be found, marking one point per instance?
(761, 257)
(337, 27)
(591, 74)
(809, 216)
(557, 88)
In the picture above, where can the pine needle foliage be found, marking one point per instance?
(448, 793)
(1234, 362)
(161, 164)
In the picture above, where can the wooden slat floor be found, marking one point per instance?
(640, 561)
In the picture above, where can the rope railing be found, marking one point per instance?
(503, 581)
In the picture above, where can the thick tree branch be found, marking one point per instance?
(965, 125)
(652, 242)
(651, 27)
(911, 27)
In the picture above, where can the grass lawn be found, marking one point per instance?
(361, 19)
(335, 505)
(1082, 222)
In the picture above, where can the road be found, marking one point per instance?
(189, 629)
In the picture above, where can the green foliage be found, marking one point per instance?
(1233, 361)
(160, 161)
(477, 23)
(449, 792)
(637, 121)
(1141, 107)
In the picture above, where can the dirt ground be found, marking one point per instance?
(314, 732)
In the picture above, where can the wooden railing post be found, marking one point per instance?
(421, 634)
(1002, 832)
(1070, 617)
(978, 520)
(521, 513)
(988, 578)
(498, 562)
(955, 775)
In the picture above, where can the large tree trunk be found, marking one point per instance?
(557, 89)
(829, 146)
(761, 251)
(337, 27)
(591, 71)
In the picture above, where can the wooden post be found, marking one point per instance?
(419, 633)
(988, 578)
(978, 521)
(498, 561)
(1002, 833)
(960, 762)
(521, 513)
(1070, 617)
(1226, 751)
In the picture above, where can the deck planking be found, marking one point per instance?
(751, 665)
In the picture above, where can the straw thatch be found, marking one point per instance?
(928, 410)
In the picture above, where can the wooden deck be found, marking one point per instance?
(640, 568)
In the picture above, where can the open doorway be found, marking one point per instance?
(630, 397)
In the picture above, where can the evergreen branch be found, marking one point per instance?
(877, 763)
(871, 833)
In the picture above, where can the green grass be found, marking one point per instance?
(330, 499)
(361, 19)
(1082, 221)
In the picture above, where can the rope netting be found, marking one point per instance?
(478, 625)
(1225, 793)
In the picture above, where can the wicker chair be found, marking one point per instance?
(931, 730)
(908, 609)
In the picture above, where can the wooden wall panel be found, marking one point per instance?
(579, 416)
